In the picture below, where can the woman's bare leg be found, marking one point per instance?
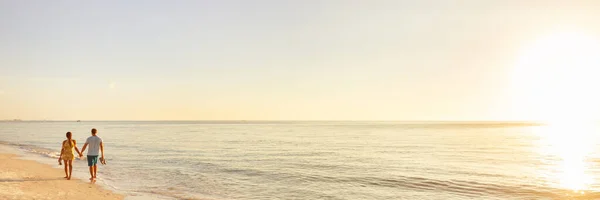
(66, 173)
(70, 169)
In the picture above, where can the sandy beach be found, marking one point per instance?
(25, 179)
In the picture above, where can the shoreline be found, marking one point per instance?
(28, 179)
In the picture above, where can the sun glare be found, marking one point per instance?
(556, 77)
(568, 148)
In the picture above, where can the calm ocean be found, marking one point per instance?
(329, 160)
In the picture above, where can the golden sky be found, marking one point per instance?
(299, 60)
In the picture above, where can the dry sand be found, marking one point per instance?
(25, 179)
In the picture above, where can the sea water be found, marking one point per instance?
(328, 160)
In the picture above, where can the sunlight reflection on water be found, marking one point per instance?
(568, 150)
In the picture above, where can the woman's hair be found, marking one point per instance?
(69, 135)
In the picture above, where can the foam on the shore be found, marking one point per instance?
(27, 179)
(49, 157)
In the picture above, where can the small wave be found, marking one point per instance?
(34, 149)
(466, 188)
(171, 193)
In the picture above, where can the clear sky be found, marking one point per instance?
(278, 59)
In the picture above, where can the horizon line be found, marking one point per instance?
(267, 120)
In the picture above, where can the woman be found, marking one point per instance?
(67, 154)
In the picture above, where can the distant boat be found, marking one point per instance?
(78, 120)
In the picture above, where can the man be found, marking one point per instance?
(96, 145)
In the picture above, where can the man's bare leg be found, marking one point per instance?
(95, 169)
(92, 173)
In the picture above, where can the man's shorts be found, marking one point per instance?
(92, 160)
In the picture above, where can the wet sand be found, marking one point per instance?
(26, 179)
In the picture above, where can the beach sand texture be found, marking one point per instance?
(25, 179)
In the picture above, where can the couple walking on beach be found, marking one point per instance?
(95, 146)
